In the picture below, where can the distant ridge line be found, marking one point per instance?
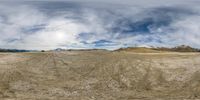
(13, 50)
(181, 48)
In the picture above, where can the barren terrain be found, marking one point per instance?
(99, 75)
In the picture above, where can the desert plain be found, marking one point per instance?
(99, 75)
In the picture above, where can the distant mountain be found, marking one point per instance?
(59, 49)
(181, 48)
(13, 50)
(184, 48)
(139, 50)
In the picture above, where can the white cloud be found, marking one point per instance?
(29, 26)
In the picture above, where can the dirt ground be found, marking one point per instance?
(99, 75)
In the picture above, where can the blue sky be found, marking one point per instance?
(112, 24)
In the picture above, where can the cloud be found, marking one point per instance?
(98, 24)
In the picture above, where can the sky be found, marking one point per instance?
(101, 24)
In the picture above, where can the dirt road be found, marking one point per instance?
(99, 75)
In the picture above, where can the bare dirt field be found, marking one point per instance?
(99, 75)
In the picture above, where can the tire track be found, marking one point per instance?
(82, 75)
(55, 65)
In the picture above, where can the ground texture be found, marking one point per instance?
(99, 75)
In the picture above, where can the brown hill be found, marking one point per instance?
(139, 50)
(181, 48)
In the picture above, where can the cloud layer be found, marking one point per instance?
(98, 24)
